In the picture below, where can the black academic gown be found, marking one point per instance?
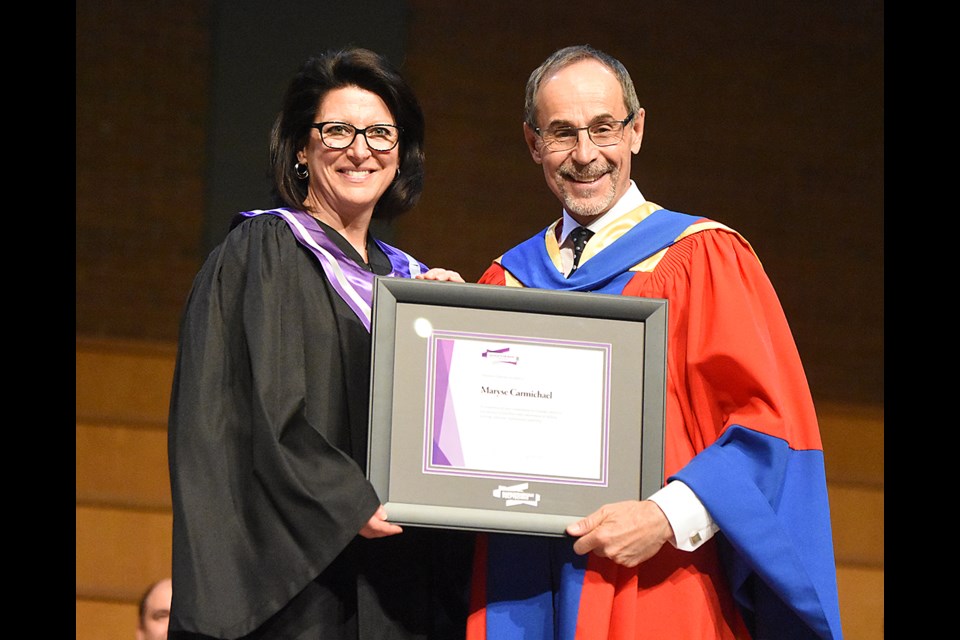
(267, 454)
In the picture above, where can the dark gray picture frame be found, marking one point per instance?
(634, 331)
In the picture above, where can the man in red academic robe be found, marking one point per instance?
(737, 543)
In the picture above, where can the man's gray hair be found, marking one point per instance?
(567, 56)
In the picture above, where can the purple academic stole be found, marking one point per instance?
(353, 283)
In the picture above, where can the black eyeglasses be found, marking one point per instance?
(340, 135)
(602, 134)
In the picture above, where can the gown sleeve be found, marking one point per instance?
(493, 275)
(745, 436)
(266, 432)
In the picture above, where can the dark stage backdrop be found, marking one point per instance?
(767, 117)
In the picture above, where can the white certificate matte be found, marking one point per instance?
(516, 407)
(509, 409)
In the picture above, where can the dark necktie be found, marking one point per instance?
(580, 236)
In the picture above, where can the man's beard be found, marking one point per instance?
(587, 207)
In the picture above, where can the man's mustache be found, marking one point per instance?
(584, 174)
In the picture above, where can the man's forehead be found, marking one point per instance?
(159, 596)
(584, 74)
(580, 92)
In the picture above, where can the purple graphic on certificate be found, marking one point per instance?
(446, 444)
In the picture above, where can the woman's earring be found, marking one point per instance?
(301, 171)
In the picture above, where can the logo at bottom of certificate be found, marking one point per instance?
(517, 494)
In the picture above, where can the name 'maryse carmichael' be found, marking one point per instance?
(516, 392)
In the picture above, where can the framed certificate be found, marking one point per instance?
(510, 409)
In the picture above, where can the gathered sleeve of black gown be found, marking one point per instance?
(267, 432)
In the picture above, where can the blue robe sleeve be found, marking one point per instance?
(770, 502)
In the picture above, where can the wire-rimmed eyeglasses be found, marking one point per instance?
(602, 134)
(340, 135)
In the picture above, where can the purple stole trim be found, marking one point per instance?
(353, 283)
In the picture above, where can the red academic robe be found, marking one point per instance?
(741, 431)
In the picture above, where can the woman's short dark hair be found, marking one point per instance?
(352, 67)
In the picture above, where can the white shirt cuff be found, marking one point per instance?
(692, 524)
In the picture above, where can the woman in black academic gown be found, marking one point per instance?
(276, 531)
